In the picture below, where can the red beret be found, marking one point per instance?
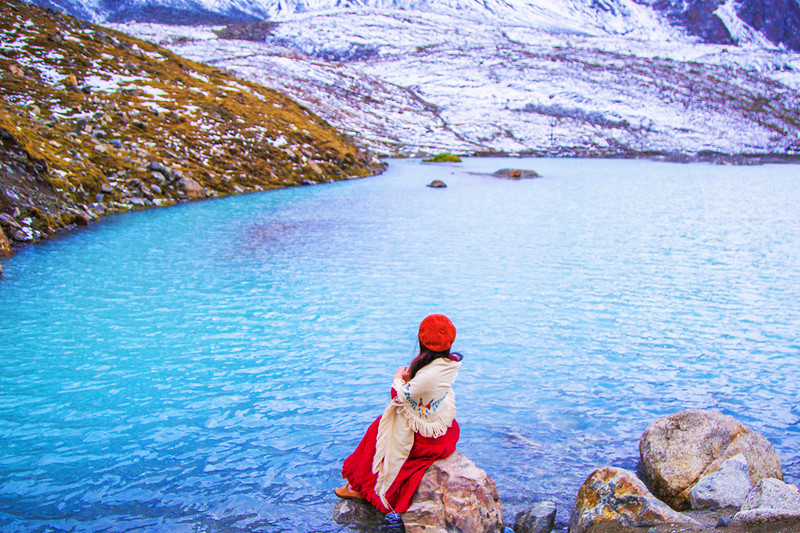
(437, 333)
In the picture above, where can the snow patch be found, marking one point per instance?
(744, 34)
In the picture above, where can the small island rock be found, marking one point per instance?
(515, 173)
(443, 158)
(615, 495)
(454, 496)
(677, 450)
(437, 184)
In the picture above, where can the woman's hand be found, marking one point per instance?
(402, 373)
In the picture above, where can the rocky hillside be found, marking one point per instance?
(418, 84)
(93, 122)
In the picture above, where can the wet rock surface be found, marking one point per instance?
(539, 518)
(358, 515)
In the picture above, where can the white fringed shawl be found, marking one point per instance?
(424, 405)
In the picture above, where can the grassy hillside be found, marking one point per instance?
(93, 121)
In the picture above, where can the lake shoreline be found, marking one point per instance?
(711, 157)
(94, 212)
(72, 218)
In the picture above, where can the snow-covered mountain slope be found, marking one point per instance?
(716, 21)
(593, 16)
(425, 83)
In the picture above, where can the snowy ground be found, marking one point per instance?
(409, 83)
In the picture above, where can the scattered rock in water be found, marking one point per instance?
(515, 173)
(5, 246)
(437, 184)
(616, 496)
(677, 450)
(540, 518)
(727, 487)
(454, 495)
(770, 500)
(357, 514)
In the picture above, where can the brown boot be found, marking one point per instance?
(347, 492)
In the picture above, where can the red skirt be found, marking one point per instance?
(357, 468)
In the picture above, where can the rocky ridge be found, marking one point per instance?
(93, 122)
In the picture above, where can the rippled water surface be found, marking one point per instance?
(207, 367)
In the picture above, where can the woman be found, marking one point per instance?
(417, 428)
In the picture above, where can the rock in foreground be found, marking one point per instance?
(677, 450)
(454, 496)
(357, 514)
(727, 487)
(770, 500)
(540, 518)
(616, 496)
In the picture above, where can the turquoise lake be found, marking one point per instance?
(207, 367)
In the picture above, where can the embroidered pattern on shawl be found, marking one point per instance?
(424, 405)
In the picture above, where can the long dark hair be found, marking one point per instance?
(427, 356)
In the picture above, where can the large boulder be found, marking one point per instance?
(454, 496)
(770, 500)
(677, 450)
(617, 497)
(727, 487)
